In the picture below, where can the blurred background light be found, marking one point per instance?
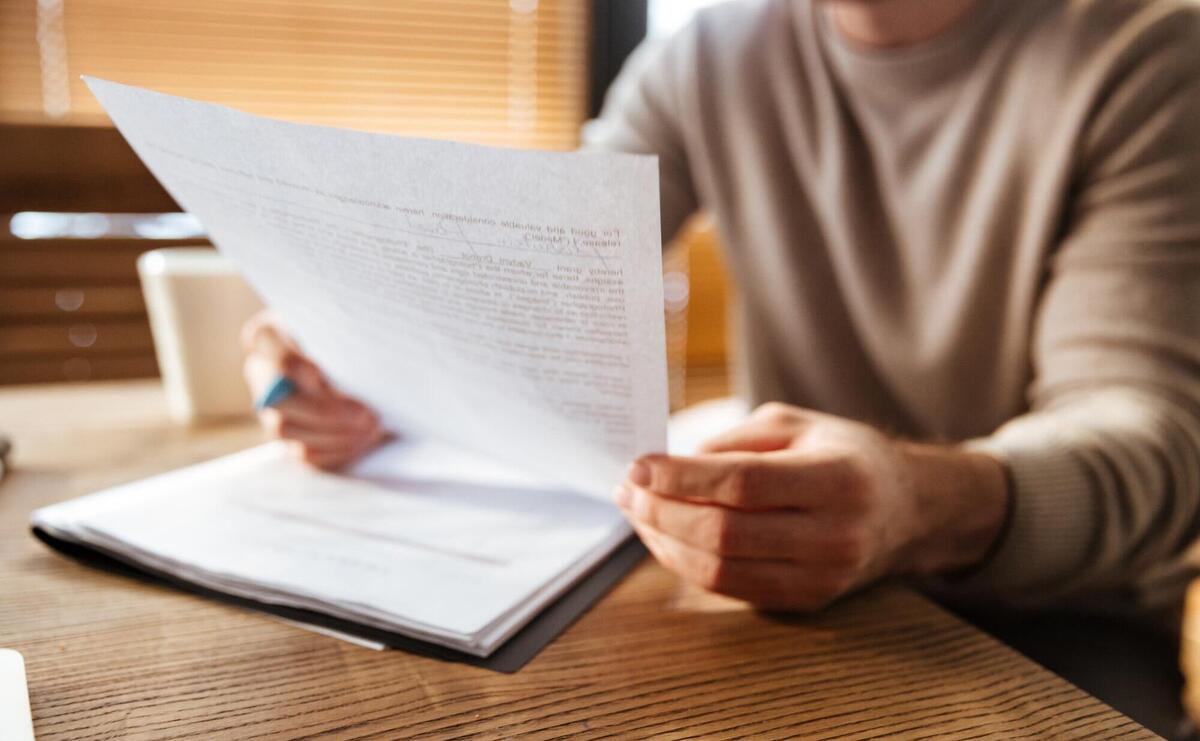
(62, 225)
(665, 17)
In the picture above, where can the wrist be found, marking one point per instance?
(962, 501)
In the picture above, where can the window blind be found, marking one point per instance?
(505, 72)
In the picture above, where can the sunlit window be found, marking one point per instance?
(508, 72)
(54, 225)
(668, 16)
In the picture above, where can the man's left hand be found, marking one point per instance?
(794, 508)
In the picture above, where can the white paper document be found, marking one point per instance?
(402, 542)
(502, 302)
(507, 301)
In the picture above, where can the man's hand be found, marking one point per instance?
(793, 508)
(322, 426)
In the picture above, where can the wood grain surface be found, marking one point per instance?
(109, 658)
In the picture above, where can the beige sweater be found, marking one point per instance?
(991, 237)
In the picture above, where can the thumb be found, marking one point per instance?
(752, 436)
(272, 353)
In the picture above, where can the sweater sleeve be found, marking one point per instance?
(641, 115)
(1105, 467)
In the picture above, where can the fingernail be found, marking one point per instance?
(623, 496)
(639, 474)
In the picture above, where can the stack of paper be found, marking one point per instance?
(503, 302)
(462, 562)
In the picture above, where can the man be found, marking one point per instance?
(967, 237)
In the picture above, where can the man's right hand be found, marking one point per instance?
(321, 425)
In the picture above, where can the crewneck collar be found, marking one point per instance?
(921, 64)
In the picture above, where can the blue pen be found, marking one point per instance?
(279, 389)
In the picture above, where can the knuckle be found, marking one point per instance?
(722, 535)
(848, 549)
(329, 409)
(333, 413)
(774, 411)
(292, 363)
(852, 479)
(323, 461)
(740, 482)
(665, 476)
(647, 510)
(858, 475)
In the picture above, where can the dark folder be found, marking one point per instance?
(515, 653)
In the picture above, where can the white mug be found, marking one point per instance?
(197, 304)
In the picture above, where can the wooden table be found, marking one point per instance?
(110, 658)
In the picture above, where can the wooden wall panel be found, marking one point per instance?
(76, 338)
(52, 302)
(75, 168)
(493, 71)
(72, 309)
(75, 368)
(70, 262)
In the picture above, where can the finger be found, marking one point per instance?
(262, 335)
(304, 373)
(309, 447)
(787, 479)
(783, 535)
(768, 584)
(650, 540)
(756, 436)
(327, 440)
(264, 339)
(772, 426)
(329, 459)
(261, 369)
(279, 427)
(325, 413)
